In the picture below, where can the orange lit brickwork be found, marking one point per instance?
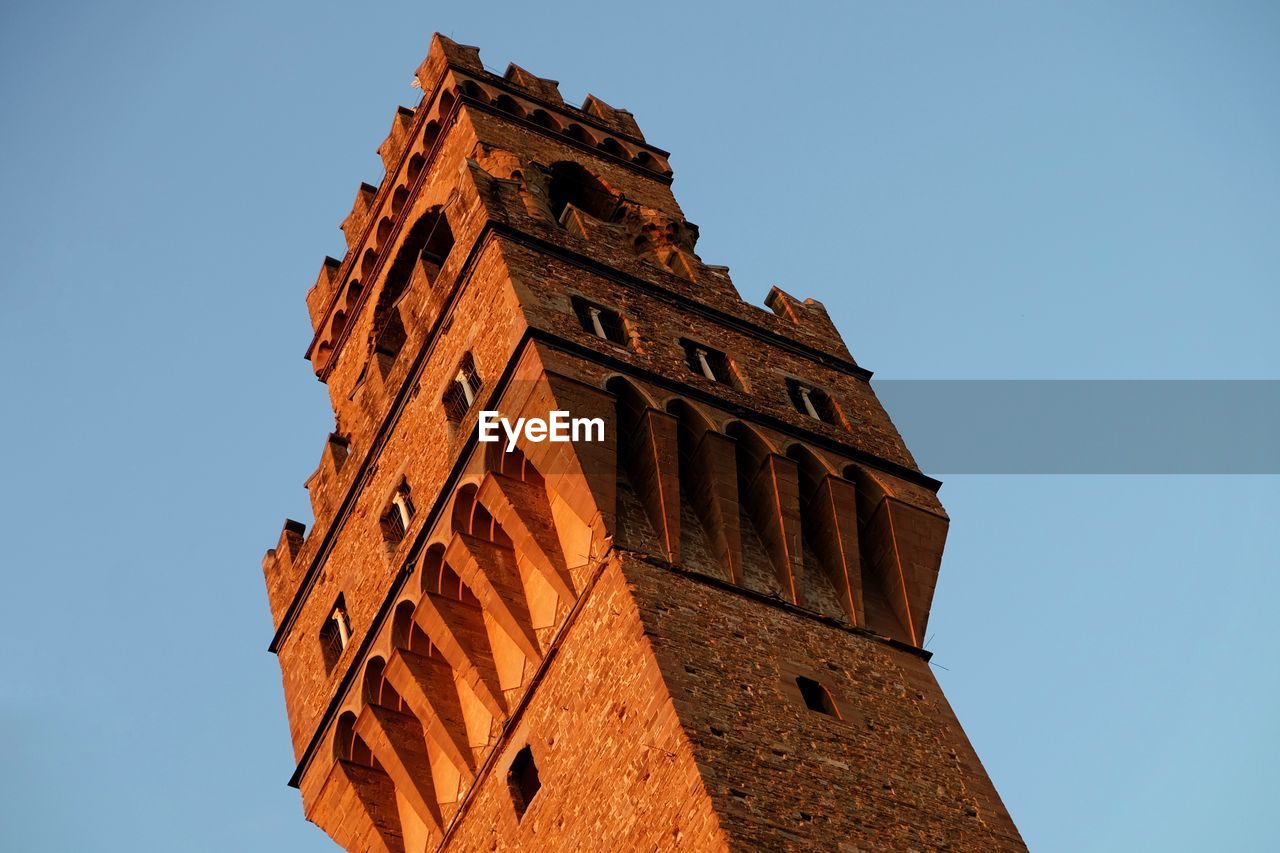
(701, 633)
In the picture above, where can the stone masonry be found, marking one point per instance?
(702, 632)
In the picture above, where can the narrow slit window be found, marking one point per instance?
(817, 697)
(604, 323)
(522, 779)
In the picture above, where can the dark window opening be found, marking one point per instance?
(462, 390)
(335, 634)
(398, 515)
(522, 779)
(604, 323)
(421, 255)
(708, 363)
(814, 402)
(816, 697)
(571, 184)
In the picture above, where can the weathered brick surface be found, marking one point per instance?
(897, 773)
(738, 542)
(617, 771)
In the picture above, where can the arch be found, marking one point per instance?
(422, 253)
(399, 197)
(812, 468)
(367, 264)
(611, 146)
(577, 133)
(508, 104)
(377, 690)
(686, 411)
(446, 103)
(471, 517)
(339, 324)
(573, 184)
(406, 633)
(430, 134)
(439, 578)
(544, 119)
(416, 163)
(622, 387)
(750, 438)
(384, 230)
(349, 746)
(352, 297)
(511, 463)
(473, 90)
(645, 160)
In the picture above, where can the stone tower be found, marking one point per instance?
(698, 631)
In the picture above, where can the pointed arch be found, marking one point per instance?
(573, 184)
(377, 690)
(349, 746)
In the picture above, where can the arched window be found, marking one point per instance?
(572, 184)
(422, 253)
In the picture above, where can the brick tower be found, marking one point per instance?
(702, 632)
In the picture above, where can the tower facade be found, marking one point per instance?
(693, 623)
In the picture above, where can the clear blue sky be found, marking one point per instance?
(975, 190)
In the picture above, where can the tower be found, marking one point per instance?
(697, 628)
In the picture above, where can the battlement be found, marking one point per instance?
(505, 642)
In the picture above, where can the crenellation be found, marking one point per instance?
(539, 87)
(637, 638)
(393, 146)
